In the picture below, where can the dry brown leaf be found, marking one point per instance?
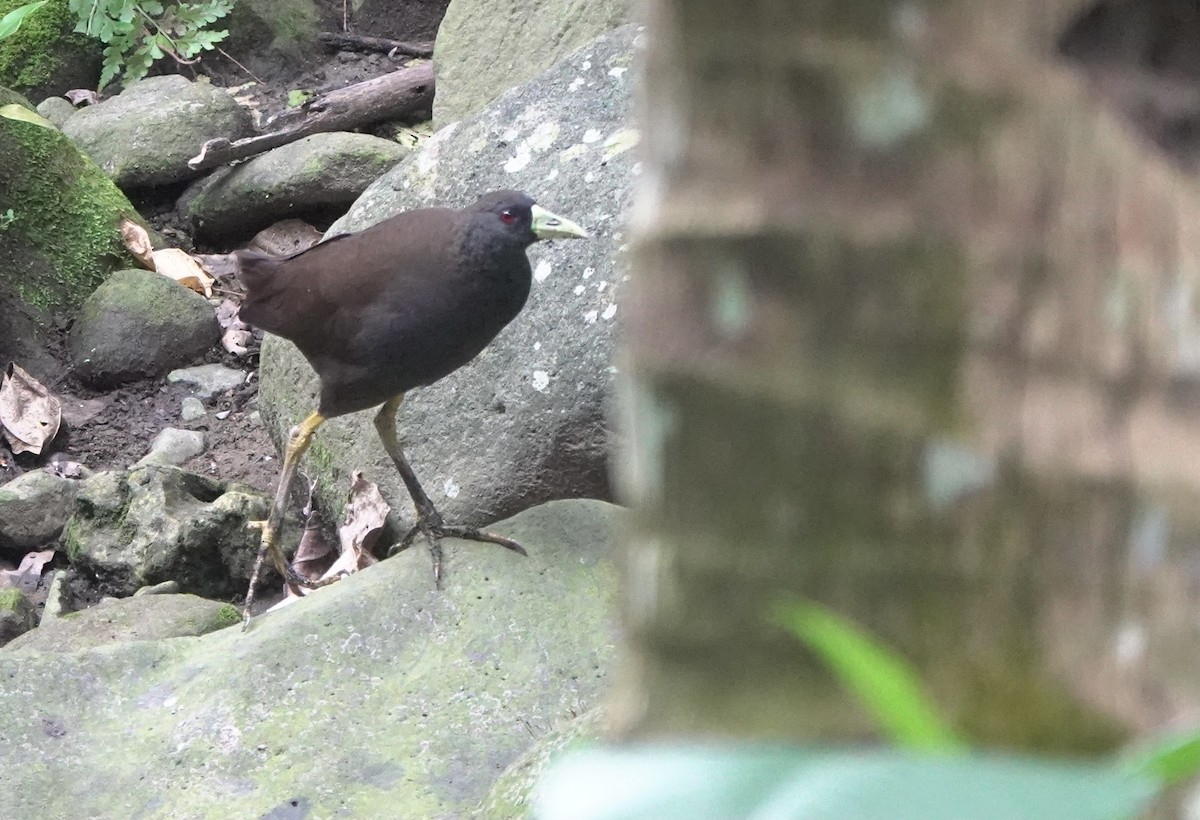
(227, 315)
(180, 266)
(65, 468)
(237, 342)
(314, 554)
(290, 236)
(237, 337)
(82, 95)
(137, 242)
(26, 576)
(366, 512)
(217, 265)
(29, 413)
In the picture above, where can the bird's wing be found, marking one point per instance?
(321, 297)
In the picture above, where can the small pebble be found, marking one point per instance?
(224, 414)
(193, 409)
(209, 379)
(161, 588)
(173, 447)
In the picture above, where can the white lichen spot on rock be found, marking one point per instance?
(541, 380)
(587, 272)
(579, 290)
(541, 271)
(451, 488)
(586, 65)
(552, 175)
(889, 109)
(510, 135)
(576, 84)
(609, 312)
(543, 137)
(427, 157)
(617, 72)
(589, 177)
(591, 135)
(591, 316)
(571, 153)
(518, 161)
(537, 345)
(620, 141)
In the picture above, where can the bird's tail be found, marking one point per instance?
(257, 272)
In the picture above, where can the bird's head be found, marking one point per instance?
(514, 214)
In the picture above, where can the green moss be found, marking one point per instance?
(10, 599)
(228, 615)
(64, 236)
(32, 56)
(71, 540)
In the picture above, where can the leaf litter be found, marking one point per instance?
(365, 514)
(30, 414)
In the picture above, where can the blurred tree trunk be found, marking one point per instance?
(914, 335)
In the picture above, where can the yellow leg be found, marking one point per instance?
(298, 444)
(385, 426)
(429, 520)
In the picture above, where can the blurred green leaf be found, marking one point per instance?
(775, 782)
(10, 22)
(13, 111)
(884, 682)
(1170, 759)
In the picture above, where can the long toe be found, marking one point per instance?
(473, 534)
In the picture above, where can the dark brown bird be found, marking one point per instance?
(391, 308)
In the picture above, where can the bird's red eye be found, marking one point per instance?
(508, 217)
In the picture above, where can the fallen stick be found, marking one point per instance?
(393, 96)
(359, 42)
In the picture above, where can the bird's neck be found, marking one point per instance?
(500, 274)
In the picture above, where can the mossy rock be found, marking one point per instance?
(139, 324)
(59, 239)
(9, 97)
(144, 618)
(17, 614)
(46, 58)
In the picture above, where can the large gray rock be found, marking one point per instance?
(137, 324)
(485, 47)
(375, 697)
(525, 422)
(158, 524)
(34, 508)
(145, 135)
(320, 174)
